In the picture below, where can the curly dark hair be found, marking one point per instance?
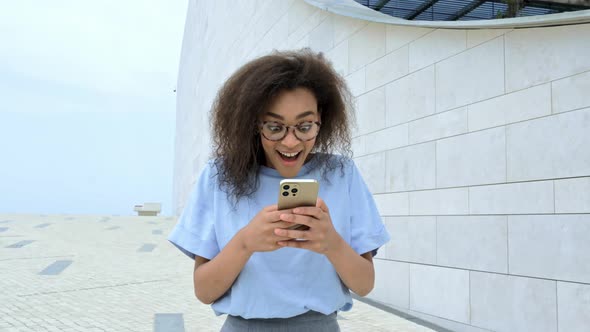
(248, 94)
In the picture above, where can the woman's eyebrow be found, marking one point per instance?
(274, 115)
(302, 115)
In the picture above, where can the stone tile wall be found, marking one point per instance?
(475, 143)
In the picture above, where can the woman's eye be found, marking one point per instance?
(274, 128)
(304, 127)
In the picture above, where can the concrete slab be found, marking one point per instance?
(114, 287)
(20, 244)
(147, 247)
(168, 323)
(56, 268)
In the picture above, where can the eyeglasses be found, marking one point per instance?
(276, 131)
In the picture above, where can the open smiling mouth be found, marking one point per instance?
(289, 156)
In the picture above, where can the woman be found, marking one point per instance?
(281, 116)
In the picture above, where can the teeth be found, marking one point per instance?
(289, 154)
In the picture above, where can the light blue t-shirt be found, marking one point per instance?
(289, 281)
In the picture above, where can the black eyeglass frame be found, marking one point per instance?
(261, 124)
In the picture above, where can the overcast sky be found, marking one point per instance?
(87, 104)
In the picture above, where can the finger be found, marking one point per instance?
(275, 216)
(311, 211)
(294, 244)
(282, 224)
(292, 233)
(297, 219)
(278, 239)
(271, 208)
(322, 205)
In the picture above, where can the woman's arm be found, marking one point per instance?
(212, 278)
(356, 271)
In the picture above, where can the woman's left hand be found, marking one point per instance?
(321, 237)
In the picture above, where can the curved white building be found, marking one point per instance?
(473, 138)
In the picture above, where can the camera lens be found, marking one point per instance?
(286, 187)
(285, 193)
(294, 190)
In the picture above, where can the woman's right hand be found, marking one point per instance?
(259, 234)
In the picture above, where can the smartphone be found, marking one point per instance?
(298, 192)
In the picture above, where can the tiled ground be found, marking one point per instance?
(113, 274)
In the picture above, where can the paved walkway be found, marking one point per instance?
(110, 273)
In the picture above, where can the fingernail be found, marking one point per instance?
(296, 210)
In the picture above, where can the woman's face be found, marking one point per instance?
(290, 108)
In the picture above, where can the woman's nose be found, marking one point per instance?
(290, 139)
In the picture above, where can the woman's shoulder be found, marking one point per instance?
(334, 160)
(334, 166)
(209, 173)
(331, 157)
(213, 166)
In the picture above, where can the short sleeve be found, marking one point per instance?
(194, 233)
(367, 230)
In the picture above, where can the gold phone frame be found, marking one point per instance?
(306, 194)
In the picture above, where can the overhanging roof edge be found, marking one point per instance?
(353, 9)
